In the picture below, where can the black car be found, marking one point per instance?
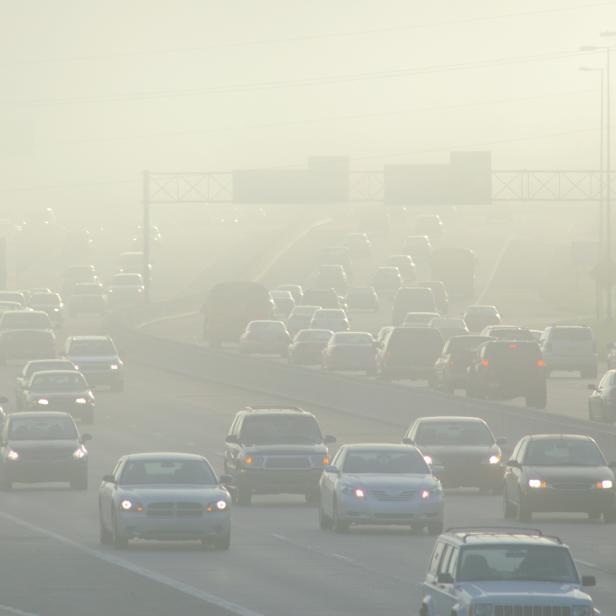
(559, 473)
(307, 346)
(462, 451)
(412, 299)
(275, 451)
(602, 400)
(505, 370)
(451, 367)
(409, 353)
(42, 447)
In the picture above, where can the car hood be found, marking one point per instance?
(51, 445)
(459, 451)
(377, 480)
(589, 473)
(524, 592)
(56, 395)
(179, 492)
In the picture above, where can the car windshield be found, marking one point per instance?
(24, 320)
(563, 452)
(533, 563)
(280, 430)
(10, 296)
(92, 347)
(58, 382)
(33, 367)
(304, 311)
(45, 299)
(51, 428)
(385, 462)
(157, 472)
(313, 335)
(573, 334)
(453, 433)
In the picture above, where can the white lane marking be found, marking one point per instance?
(16, 611)
(186, 589)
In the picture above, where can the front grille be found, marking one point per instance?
(572, 485)
(403, 496)
(94, 366)
(532, 610)
(175, 510)
(50, 455)
(287, 462)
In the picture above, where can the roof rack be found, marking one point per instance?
(468, 531)
(273, 407)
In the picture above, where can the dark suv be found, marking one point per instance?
(506, 369)
(275, 451)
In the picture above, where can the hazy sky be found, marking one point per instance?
(95, 91)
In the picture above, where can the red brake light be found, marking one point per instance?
(485, 362)
(541, 363)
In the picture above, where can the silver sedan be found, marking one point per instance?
(380, 484)
(164, 496)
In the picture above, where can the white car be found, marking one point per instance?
(496, 572)
(265, 336)
(300, 318)
(164, 496)
(571, 348)
(283, 302)
(334, 319)
(380, 484)
(97, 358)
(126, 288)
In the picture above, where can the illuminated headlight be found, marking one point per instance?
(582, 610)
(114, 367)
(219, 505)
(80, 453)
(76, 366)
(606, 484)
(425, 494)
(537, 483)
(428, 459)
(494, 459)
(359, 493)
(482, 609)
(43, 401)
(126, 505)
(12, 455)
(81, 401)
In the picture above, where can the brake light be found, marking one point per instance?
(513, 346)
(485, 363)
(540, 363)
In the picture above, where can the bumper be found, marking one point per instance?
(142, 526)
(570, 501)
(41, 471)
(373, 511)
(279, 481)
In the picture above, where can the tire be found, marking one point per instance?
(435, 528)
(340, 526)
(525, 513)
(537, 399)
(120, 542)
(325, 522)
(81, 483)
(508, 508)
(243, 496)
(223, 542)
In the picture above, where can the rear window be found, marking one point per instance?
(280, 430)
(45, 299)
(353, 338)
(313, 335)
(453, 433)
(574, 334)
(92, 347)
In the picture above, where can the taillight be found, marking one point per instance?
(485, 363)
(541, 363)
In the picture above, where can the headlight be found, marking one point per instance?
(606, 484)
(581, 610)
(80, 453)
(359, 493)
(76, 366)
(128, 505)
(537, 483)
(12, 455)
(114, 367)
(428, 459)
(81, 401)
(219, 505)
(494, 459)
(482, 609)
(425, 494)
(43, 401)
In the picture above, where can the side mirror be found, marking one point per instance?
(85, 437)
(501, 440)
(225, 479)
(329, 439)
(408, 441)
(331, 469)
(444, 578)
(232, 438)
(513, 463)
(589, 580)
(109, 478)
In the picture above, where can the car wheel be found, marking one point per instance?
(435, 528)
(339, 525)
(508, 508)
(120, 542)
(223, 542)
(325, 522)
(243, 496)
(525, 513)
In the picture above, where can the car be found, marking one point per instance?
(362, 298)
(65, 390)
(133, 262)
(405, 265)
(6, 305)
(508, 332)
(37, 365)
(75, 274)
(387, 280)
(297, 291)
(418, 247)
(165, 497)
(559, 473)
(359, 244)
(324, 298)
(430, 225)
(97, 358)
(504, 370)
(419, 319)
(283, 302)
(570, 348)
(300, 318)
(87, 298)
(602, 400)
(478, 316)
(441, 297)
(449, 326)
(27, 344)
(307, 346)
(409, 353)
(40, 447)
(126, 288)
(51, 303)
(412, 299)
(462, 451)
(275, 450)
(14, 320)
(265, 337)
(17, 297)
(455, 266)
(332, 275)
(381, 484)
(334, 319)
(350, 351)
(338, 255)
(451, 367)
(496, 572)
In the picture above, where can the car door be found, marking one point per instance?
(432, 591)
(329, 483)
(233, 449)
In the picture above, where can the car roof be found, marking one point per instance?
(499, 536)
(88, 338)
(448, 418)
(547, 437)
(50, 372)
(380, 446)
(274, 410)
(163, 455)
(34, 414)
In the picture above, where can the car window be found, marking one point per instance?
(436, 557)
(58, 382)
(385, 462)
(152, 472)
(563, 452)
(444, 564)
(92, 347)
(453, 433)
(453, 563)
(24, 320)
(42, 428)
(352, 338)
(280, 430)
(313, 335)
